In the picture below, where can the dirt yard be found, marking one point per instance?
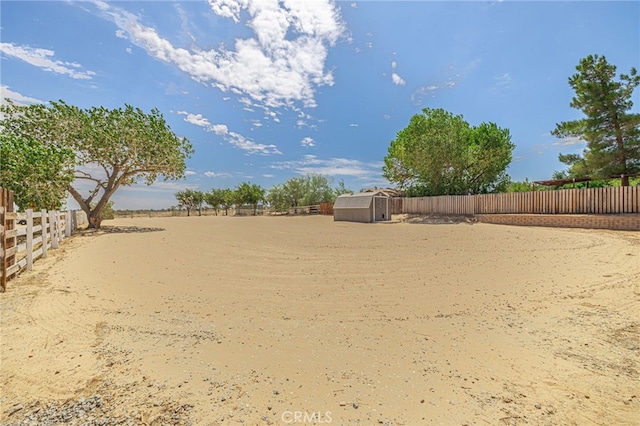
(293, 320)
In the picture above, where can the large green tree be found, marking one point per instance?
(305, 190)
(611, 131)
(247, 193)
(113, 147)
(190, 199)
(318, 188)
(215, 199)
(228, 200)
(439, 153)
(278, 198)
(38, 174)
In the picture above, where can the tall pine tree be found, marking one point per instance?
(611, 131)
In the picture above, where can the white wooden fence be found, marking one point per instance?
(29, 236)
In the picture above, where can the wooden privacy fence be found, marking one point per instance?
(611, 200)
(24, 243)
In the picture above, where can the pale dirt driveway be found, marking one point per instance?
(266, 320)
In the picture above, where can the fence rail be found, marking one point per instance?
(611, 200)
(26, 237)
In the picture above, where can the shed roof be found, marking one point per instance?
(354, 201)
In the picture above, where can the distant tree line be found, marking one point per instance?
(298, 191)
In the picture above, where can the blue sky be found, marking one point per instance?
(267, 90)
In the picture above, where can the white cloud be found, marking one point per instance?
(220, 129)
(354, 5)
(431, 90)
(268, 176)
(394, 65)
(448, 82)
(214, 174)
(16, 97)
(196, 119)
(129, 50)
(250, 146)
(233, 138)
(121, 34)
(333, 167)
(353, 125)
(307, 142)
(502, 82)
(44, 58)
(281, 65)
(569, 141)
(190, 173)
(245, 101)
(397, 80)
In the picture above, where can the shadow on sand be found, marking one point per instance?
(436, 219)
(118, 230)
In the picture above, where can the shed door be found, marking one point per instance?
(381, 210)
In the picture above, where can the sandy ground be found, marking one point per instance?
(280, 320)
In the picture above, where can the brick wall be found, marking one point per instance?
(628, 222)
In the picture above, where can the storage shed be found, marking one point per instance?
(363, 207)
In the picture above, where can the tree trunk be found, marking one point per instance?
(622, 158)
(94, 221)
(86, 208)
(624, 180)
(188, 212)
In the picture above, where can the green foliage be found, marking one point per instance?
(107, 212)
(612, 133)
(304, 191)
(198, 201)
(38, 174)
(190, 199)
(228, 199)
(295, 189)
(278, 198)
(113, 148)
(340, 189)
(441, 154)
(635, 181)
(522, 186)
(317, 189)
(214, 198)
(247, 193)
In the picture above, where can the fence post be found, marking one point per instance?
(3, 243)
(58, 227)
(29, 239)
(45, 234)
(52, 228)
(67, 223)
